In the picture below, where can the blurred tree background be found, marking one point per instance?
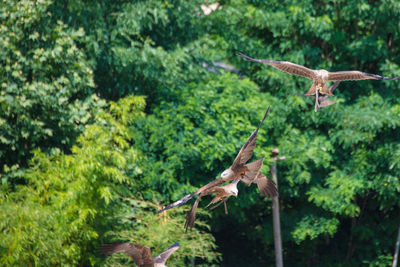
(111, 109)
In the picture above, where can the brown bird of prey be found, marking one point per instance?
(141, 255)
(319, 77)
(238, 170)
(223, 192)
(266, 186)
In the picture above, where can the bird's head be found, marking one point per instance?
(228, 173)
(235, 192)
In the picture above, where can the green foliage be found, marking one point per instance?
(381, 261)
(312, 227)
(338, 197)
(45, 81)
(72, 200)
(340, 161)
(141, 225)
(338, 186)
(190, 141)
(141, 47)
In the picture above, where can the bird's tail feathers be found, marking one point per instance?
(191, 216)
(266, 186)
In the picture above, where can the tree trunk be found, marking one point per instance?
(396, 251)
(276, 219)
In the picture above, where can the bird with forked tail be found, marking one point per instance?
(319, 77)
(248, 173)
(222, 193)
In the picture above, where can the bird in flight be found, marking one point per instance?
(223, 192)
(141, 255)
(238, 170)
(248, 173)
(319, 77)
(266, 186)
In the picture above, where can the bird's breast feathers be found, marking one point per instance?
(322, 74)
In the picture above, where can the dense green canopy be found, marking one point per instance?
(111, 109)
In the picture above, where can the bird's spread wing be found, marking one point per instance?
(178, 203)
(252, 170)
(354, 75)
(285, 66)
(242, 157)
(186, 198)
(141, 255)
(246, 151)
(163, 257)
(266, 186)
(191, 216)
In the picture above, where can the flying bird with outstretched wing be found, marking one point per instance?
(266, 186)
(319, 77)
(222, 193)
(238, 170)
(141, 255)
